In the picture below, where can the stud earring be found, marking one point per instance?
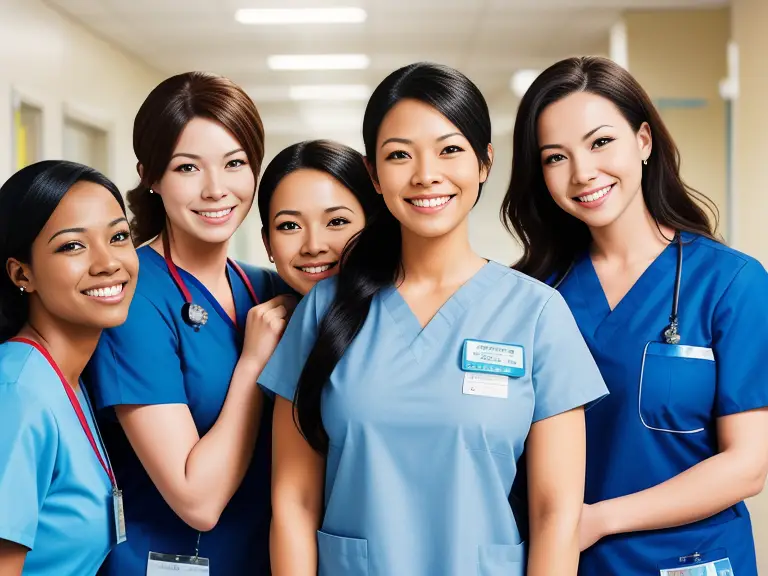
(151, 191)
(645, 162)
(272, 259)
(22, 289)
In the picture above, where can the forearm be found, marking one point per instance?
(698, 493)
(554, 545)
(293, 544)
(12, 558)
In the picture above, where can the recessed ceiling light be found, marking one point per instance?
(319, 62)
(330, 92)
(301, 15)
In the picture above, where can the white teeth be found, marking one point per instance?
(315, 269)
(105, 292)
(219, 214)
(595, 195)
(430, 202)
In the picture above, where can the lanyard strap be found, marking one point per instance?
(75, 405)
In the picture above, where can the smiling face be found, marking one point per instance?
(83, 266)
(208, 186)
(426, 170)
(592, 158)
(312, 216)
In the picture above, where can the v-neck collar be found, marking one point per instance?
(438, 328)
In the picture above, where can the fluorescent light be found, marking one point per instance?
(301, 15)
(330, 92)
(319, 62)
(522, 80)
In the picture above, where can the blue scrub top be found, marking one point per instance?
(55, 498)
(419, 472)
(645, 434)
(156, 358)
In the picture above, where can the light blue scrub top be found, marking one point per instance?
(55, 498)
(643, 435)
(418, 473)
(156, 358)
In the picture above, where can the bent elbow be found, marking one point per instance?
(201, 518)
(757, 486)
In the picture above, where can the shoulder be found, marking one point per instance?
(724, 265)
(23, 373)
(524, 288)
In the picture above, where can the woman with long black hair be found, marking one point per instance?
(409, 384)
(677, 322)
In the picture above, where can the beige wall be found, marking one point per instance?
(64, 68)
(681, 55)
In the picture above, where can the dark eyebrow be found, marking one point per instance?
(287, 213)
(406, 141)
(337, 208)
(587, 135)
(114, 222)
(196, 157)
(117, 221)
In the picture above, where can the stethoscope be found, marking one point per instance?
(672, 332)
(193, 314)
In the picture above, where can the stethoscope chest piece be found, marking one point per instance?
(194, 315)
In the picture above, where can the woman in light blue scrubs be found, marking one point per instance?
(676, 320)
(184, 418)
(314, 196)
(418, 374)
(70, 271)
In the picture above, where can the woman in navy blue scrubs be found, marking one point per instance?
(191, 443)
(598, 203)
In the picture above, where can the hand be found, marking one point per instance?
(265, 326)
(592, 526)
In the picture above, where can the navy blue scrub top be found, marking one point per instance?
(156, 358)
(643, 434)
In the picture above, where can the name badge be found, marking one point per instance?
(493, 358)
(714, 563)
(119, 513)
(491, 385)
(165, 564)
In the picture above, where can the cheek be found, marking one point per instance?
(284, 248)
(243, 185)
(178, 191)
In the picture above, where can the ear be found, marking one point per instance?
(486, 170)
(372, 173)
(265, 239)
(644, 140)
(19, 275)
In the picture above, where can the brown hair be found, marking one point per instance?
(159, 123)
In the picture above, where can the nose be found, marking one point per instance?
(315, 241)
(104, 260)
(427, 172)
(213, 187)
(584, 169)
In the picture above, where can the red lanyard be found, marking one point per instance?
(183, 287)
(75, 405)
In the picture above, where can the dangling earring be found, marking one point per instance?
(645, 162)
(272, 259)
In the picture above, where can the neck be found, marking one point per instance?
(70, 346)
(205, 261)
(633, 236)
(443, 260)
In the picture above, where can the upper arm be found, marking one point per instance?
(297, 469)
(28, 443)
(137, 362)
(12, 558)
(565, 375)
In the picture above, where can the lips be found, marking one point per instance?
(214, 214)
(595, 195)
(105, 292)
(432, 202)
(316, 268)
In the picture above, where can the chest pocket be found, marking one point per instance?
(677, 388)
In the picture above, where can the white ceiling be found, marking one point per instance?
(487, 39)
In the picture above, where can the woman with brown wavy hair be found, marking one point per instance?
(176, 384)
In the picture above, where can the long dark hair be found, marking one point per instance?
(343, 163)
(27, 201)
(551, 238)
(373, 259)
(159, 123)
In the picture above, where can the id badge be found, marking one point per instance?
(715, 563)
(165, 564)
(119, 515)
(493, 358)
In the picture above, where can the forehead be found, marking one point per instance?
(414, 120)
(309, 191)
(573, 116)
(202, 134)
(85, 205)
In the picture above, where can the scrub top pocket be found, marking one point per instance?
(339, 556)
(677, 388)
(501, 560)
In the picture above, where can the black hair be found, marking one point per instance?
(343, 163)
(27, 201)
(552, 238)
(372, 260)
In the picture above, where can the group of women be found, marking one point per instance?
(389, 402)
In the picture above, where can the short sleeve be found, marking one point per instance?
(565, 376)
(282, 372)
(138, 362)
(740, 342)
(28, 440)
